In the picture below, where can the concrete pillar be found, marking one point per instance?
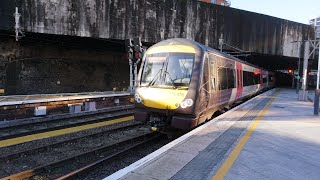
(318, 73)
(292, 79)
(317, 92)
(299, 65)
(304, 93)
(305, 65)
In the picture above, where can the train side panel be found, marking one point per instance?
(230, 81)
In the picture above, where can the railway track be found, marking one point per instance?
(50, 124)
(38, 149)
(77, 173)
(79, 165)
(79, 162)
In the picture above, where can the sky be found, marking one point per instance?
(294, 10)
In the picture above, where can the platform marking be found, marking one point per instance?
(224, 169)
(149, 158)
(52, 98)
(23, 139)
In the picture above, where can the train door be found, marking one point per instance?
(239, 80)
(213, 79)
(261, 80)
(204, 93)
(204, 90)
(270, 80)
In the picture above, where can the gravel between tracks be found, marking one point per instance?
(24, 163)
(62, 123)
(110, 167)
(85, 160)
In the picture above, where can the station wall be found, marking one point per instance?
(56, 67)
(161, 19)
(32, 67)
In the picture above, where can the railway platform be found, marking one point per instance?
(272, 136)
(29, 106)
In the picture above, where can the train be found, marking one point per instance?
(182, 83)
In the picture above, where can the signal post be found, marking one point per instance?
(135, 53)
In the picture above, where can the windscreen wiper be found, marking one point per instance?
(171, 80)
(155, 78)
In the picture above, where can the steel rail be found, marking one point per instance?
(46, 168)
(37, 149)
(61, 117)
(101, 161)
(108, 117)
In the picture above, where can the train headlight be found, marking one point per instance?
(183, 105)
(189, 102)
(137, 98)
(186, 103)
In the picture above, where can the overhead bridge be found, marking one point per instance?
(61, 25)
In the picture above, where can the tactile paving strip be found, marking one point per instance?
(206, 160)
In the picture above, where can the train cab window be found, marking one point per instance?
(152, 68)
(178, 70)
(168, 69)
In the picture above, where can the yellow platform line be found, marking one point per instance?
(23, 139)
(224, 169)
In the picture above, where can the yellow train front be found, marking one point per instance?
(180, 84)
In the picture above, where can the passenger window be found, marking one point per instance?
(250, 78)
(222, 78)
(231, 78)
(270, 78)
(226, 78)
(257, 78)
(264, 78)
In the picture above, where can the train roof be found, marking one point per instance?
(229, 56)
(179, 42)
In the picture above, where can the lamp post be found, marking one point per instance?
(317, 92)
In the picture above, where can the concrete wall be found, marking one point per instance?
(2, 74)
(156, 20)
(52, 58)
(32, 67)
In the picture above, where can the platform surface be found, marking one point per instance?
(272, 136)
(38, 98)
